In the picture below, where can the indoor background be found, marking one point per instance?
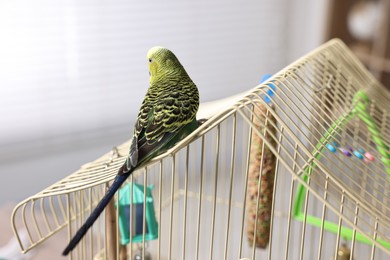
(74, 73)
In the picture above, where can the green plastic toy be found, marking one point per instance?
(360, 102)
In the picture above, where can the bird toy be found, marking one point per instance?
(359, 109)
(349, 151)
(261, 172)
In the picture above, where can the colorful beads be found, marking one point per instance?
(349, 151)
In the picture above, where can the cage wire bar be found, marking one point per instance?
(315, 197)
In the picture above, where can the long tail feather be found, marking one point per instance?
(118, 181)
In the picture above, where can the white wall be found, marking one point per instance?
(73, 73)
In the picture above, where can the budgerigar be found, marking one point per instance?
(167, 115)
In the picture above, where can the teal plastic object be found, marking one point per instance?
(136, 198)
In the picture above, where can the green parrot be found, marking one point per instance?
(166, 116)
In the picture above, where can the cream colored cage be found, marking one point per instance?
(311, 201)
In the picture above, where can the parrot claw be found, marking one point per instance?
(201, 121)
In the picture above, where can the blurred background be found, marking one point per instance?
(73, 73)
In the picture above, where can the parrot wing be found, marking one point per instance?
(159, 126)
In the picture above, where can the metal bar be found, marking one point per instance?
(203, 150)
(232, 165)
(354, 229)
(131, 214)
(259, 191)
(69, 222)
(301, 252)
(274, 196)
(144, 212)
(171, 209)
(323, 219)
(83, 243)
(117, 234)
(339, 226)
(185, 202)
(91, 231)
(45, 220)
(373, 248)
(159, 210)
(99, 220)
(290, 206)
(246, 179)
(106, 253)
(215, 192)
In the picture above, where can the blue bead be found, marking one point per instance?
(335, 144)
(331, 148)
(358, 155)
(361, 151)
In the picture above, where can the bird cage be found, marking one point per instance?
(296, 168)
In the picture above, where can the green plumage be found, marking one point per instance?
(167, 115)
(168, 112)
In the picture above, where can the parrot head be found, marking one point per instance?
(161, 61)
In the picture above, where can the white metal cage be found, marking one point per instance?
(258, 180)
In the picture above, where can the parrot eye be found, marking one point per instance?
(150, 59)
